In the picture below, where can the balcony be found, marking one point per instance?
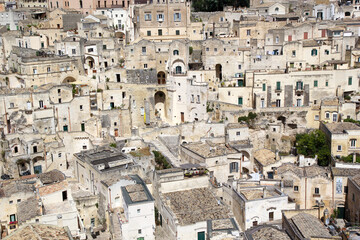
(299, 91)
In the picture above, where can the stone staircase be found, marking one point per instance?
(165, 151)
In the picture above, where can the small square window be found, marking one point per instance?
(11, 202)
(139, 231)
(138, 211)
(237, 133)
(296, 188)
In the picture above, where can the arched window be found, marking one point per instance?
(178, 70)
(276, 9)
(176, 52)
(16, 149)
(314, 52)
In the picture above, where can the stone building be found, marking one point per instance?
(352, 200)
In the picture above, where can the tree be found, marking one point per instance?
(314, 143)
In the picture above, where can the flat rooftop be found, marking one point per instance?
(258, 193)
(209, 149)
(104, 159)
(136, 193)
(195, 205)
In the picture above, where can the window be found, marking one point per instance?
(198, 99)
(339, 148)
(12, 218)
(160, 17)
(81, 107)
(314, 52)
(237, 133)
(83, 127)
(179, 97)
(16, 149)
(178, 70)
(306, 35)
(293, 53)
(334, 117)
(350, 81)
(65, 128)
(277, 39)
(143, 50)
(298, 102)
(315, 83)
(84, 147)
(41, 104)
(11, 202)
(264, 87)
(139, 231)
(234, 167)
(176, 52)
(248, 32)
(34, 71)
(177, 32)
(317, 191)
(327, 52)
(138, 211)
(64, 195)
(34, 149)
(240, 101)
(207, 49)
(192, 98)
(145, 66)
(229, 93)
(177, 17)
(148, 17)
(90, 50)
(19, 200)
(48, 69)
(59, 155)
(276, 9)
(353, 197)
(327, 115)
(271, 216)
(160, 32)
(278, 103)
(148, 33)
(299, 85)
(278, 85)
(326, 84)
(353, 143)
(92, 222)
(59, 100)
(296, 188)
(316, 117)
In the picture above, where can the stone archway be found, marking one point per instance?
(90, 62)
(69, 79)
(24, 167)
(160, 104)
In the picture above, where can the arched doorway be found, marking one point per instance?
(218, 69)
(23, 167)
(161, 76)
(90, 62)
(160, 99)
(69, 80)
(38, 165)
